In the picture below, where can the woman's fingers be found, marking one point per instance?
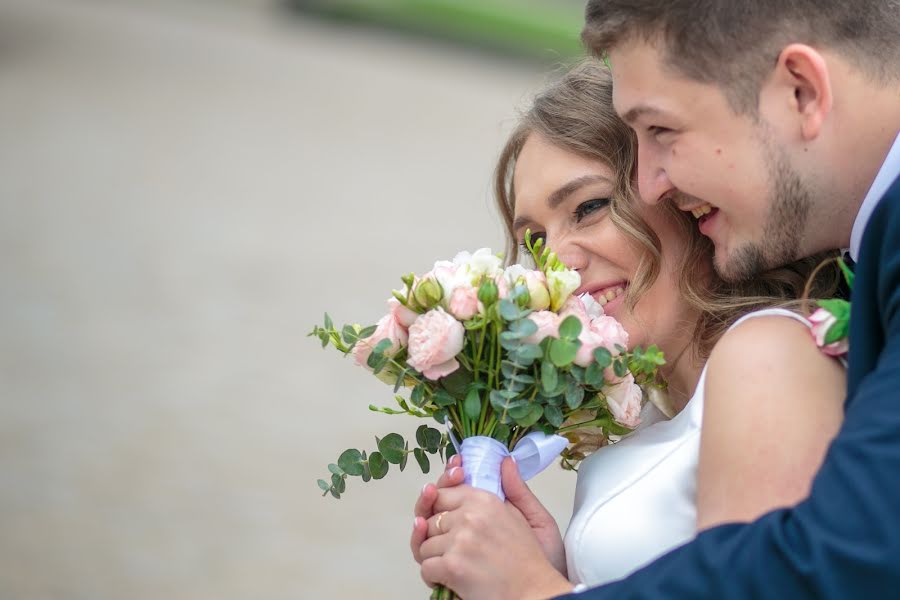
(439, 524)
(425, 503)
(434, 571)
(419, 534)
(434, 546)
(451, 477)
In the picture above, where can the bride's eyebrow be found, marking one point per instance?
(560, 195)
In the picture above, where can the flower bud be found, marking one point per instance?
(488, 292)
(428, 293)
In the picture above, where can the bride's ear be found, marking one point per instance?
(800, 86)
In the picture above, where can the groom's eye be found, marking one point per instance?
(589, 207)
(657, 131)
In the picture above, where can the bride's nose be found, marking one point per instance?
(571, 254)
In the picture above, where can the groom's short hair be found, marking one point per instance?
(735, 43)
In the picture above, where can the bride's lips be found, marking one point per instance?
(608, 294)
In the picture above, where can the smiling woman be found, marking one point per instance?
(567, 175)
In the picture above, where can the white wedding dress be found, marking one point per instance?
(636, 499)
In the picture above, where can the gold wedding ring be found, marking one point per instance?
(437, 522)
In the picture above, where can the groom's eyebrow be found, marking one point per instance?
(560, 195)
(641, 110)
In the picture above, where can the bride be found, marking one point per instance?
(769, 402)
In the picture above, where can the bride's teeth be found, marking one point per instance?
(620, 291)
(602, 300)
(610, 295)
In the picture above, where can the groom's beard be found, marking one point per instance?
(784, 228)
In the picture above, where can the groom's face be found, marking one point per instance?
(725, 168)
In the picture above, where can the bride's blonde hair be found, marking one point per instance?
(576, 113)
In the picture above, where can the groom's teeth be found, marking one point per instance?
(701, 210)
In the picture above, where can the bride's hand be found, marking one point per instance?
(542, 523)
(482, 547)
(424, 509)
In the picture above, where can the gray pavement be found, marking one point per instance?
(184, 189)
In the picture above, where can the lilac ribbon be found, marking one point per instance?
(482, 456)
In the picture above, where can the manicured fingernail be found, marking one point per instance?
(416, 523)
(452, 471)
(424, 487)
(454, 460)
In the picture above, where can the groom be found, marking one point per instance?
(783, 116)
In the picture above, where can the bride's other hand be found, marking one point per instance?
(482, 547)
(424, 509)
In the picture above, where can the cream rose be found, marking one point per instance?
(624, 402)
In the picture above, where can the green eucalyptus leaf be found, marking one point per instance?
(335, 469)
(367, 331)
(417, 396)
(472, 404)
(351, 462)
(329, 324)
(378, 466)
(422, 459)
(523, 328)
(443, 398)
(620, 368)
(335, 493)
(405, 456)
(339, 483)
(367, 474)
(563, 352)
(391, 447)
(432, 439)
(570, 328)
(554, 415)
(574, 395)
(457, 382)
(549, 376)
(440, 416)
(323, 485)
(501, 433)
(603, 357)
(510, 311)
(535, 412)
(594, 376)
(449, 451)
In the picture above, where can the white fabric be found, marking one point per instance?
(636, 499)
(889, 172)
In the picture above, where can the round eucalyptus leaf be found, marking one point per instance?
(391, 447)
(570, 328)
(422, 459)
(378, 466)
(336, 470)
(351, 462)
(323, 485)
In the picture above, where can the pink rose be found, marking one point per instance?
(388, 327)
(548, 326)
(822, 320)
(464, 303)
(403, 315)
(574, 306)
(624, 402)
(434, 340)
(602, 332)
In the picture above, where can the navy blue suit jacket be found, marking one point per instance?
(844, 540)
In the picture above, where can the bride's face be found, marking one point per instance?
(564, 198)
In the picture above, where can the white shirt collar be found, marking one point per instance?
(890, 170)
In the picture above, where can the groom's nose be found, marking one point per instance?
(653, 181)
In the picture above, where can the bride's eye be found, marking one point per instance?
(589, 207)
(534, 239)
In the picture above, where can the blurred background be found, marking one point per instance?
(185, 187)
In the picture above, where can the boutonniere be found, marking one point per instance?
(831, 321)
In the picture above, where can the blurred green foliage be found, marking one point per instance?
(548, 29)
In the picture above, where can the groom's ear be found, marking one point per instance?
(802, 85)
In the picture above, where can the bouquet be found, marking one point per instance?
(508, 360)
